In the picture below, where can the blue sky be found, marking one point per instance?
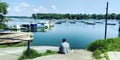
(27, 7)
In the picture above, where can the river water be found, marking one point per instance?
(78, 34)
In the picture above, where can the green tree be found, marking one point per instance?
(3, 7)
(84, 16)
(93, 16)
(100, 16)
(118, 16)
(1, 17)
(3, 11)
(3, 26)
(34, 16)
(112, 16)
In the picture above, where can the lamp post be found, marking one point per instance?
(106, 17)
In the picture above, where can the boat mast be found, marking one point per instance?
(106, 18)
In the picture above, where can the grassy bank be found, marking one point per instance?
(33, 54)
(101, 46)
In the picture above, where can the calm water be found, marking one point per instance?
(79, 35)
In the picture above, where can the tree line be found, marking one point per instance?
(74, 16)
(17, 16)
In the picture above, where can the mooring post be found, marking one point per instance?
(119, 30)
(28, 48)
(106, 17)
(119, 27)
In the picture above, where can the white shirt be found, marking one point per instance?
(66, 47)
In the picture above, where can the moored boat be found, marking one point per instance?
(111, 23)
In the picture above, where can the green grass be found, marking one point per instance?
(49, 52)
(101, 46)
(14, 45)
(106, 56)
(33, 54)
(97, 54)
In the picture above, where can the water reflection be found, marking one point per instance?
(43, 29)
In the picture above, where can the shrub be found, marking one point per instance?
(111, 44)
(32, 54)
(97, 45)
(106, 56)
(105, 45)
(48, 52)
(97, 54)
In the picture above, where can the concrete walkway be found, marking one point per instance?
(75, 55)
(114, 55)
(13, 53)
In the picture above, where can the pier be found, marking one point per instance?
(14, 37)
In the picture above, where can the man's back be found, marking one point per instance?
(66, 47)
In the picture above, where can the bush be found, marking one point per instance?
(49, 52)
(111, 44)
(32, 54)
(106, 56)
(97, 54)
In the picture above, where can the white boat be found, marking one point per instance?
(45, 25)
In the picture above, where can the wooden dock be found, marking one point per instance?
(15, 37)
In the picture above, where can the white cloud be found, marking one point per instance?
(19, 7)
(8, 9)
(54, 7)
(55, 10)
(24, 8)
(16, 9)
(40, 9)
(35, 10)
(24, 4)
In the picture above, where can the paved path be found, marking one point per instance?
(114, 55)
(75, 55)
(13, 53)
